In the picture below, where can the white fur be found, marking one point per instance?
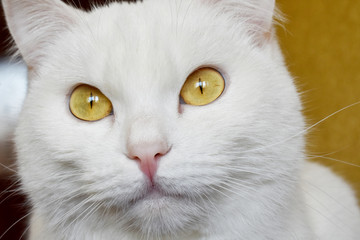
(236, 166)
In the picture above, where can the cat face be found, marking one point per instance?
(155, 164)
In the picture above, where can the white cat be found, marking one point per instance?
(198, 132)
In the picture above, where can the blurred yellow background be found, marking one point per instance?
(322, 48)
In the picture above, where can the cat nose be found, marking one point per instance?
(148, 154)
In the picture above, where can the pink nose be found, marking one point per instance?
(148, 155)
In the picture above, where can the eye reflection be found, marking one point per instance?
(201, 85)
(93, 99)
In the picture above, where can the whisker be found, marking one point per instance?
(93, 210)
(81, 204)
(303, 131)
(237, 182)
(9, 196)
(213, 188)
(327, 218)
(26, 215)
(335, 160)
(25, 232)
(10, 187)
(236, 193)
(327, 194)
(211, 203)
(8, 168)
(72, 211)
(266, 174)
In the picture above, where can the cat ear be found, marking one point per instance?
(257, 15)
(35, 23)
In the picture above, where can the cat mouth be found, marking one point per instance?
(155, 194)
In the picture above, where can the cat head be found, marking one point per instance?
(155, 162)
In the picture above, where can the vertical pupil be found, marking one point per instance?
(200, 84)
(91, 100)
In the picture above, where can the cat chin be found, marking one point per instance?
(162, 215)
(154, 208)
(158, 212)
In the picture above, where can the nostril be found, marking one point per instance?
(142, 154)
(135, 158)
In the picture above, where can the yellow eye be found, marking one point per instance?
(202, 87)
(89, 104)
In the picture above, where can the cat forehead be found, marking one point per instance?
(151, 41)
